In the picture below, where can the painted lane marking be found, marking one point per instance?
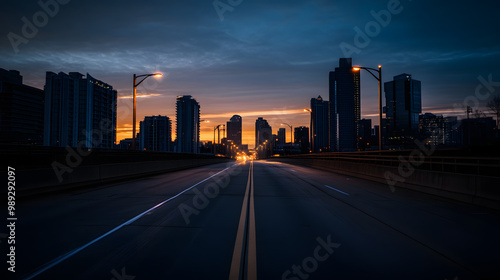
(71, 253)
(337, 190)
(237, 265)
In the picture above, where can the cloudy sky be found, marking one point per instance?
(256, 58)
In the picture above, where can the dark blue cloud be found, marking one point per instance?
(279, 50)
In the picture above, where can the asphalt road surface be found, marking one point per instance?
(253, 220)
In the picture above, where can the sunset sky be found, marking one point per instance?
(263, 59)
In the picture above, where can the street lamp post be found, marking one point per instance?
(216, 128)
(135, 102)
(379, 79)
(267, 149)
(291, 137)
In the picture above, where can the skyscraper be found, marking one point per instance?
(281, 136)
(319, 125)
(301, 136)
(403, 106)
(263, 132)
(79, 111)
(234, 130)
(156, 134)
(188, 125)
(345, 111)
(21, 110)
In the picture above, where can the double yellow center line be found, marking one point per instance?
(244, 262)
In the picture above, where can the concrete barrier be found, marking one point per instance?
(474, 189)
(31, 182)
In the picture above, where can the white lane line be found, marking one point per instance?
(66, 256)
(337, 190)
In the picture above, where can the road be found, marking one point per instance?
(253, 220)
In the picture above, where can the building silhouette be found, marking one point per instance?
(263, 132)
(345, 111)
(79, 111)
(477, 131)
(188, 125)
(403, 106)
(301, 137)
(126, 144)
(234, 130)
(431, 128)
(156, 134)
(451, 131)
(274, 142)
(281, 136)
(365, 134)
(21, 110)
(319, 125)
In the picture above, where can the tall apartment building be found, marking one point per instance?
(21, 110)
(188, 124)
(79, 111)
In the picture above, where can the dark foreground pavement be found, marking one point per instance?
(255, 220)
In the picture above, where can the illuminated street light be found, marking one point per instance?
(135, 102)
(379, 79)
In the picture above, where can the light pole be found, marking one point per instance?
(267, 149)
(291, 137)
(135, 102)
(379, 79)
(216, 128)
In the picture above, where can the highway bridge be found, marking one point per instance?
(254, 219)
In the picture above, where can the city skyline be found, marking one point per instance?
(233, 66)
(249, 130)
(250, 139)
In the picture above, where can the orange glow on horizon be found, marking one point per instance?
(296, 117)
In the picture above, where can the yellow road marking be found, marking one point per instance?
(252, 246)
(236, 264)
